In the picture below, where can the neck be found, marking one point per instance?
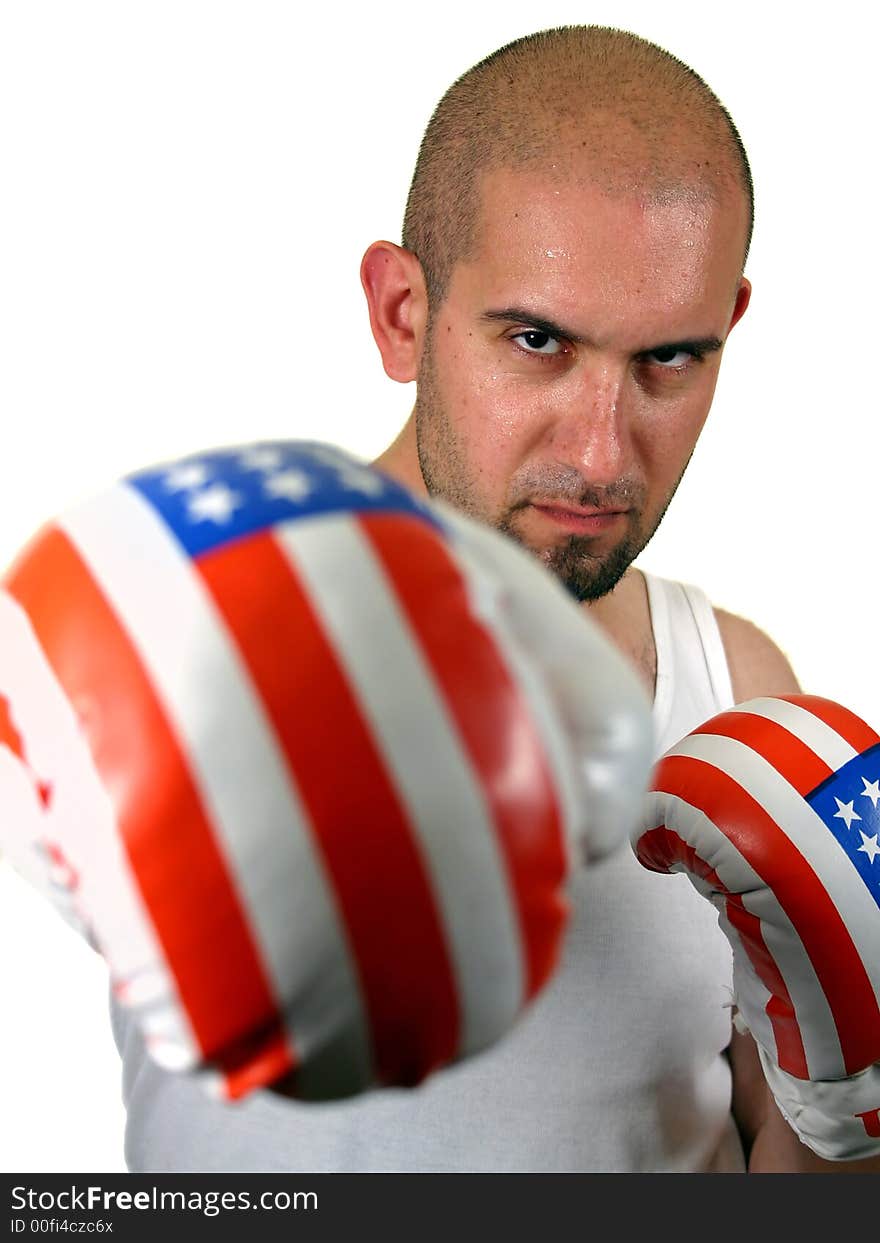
(625, 617)
(401, 459)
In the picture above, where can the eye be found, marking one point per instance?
(537, 342)
(671, 358)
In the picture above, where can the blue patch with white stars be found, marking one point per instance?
(848, 802)
(222, 494)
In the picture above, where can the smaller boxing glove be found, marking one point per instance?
(771, 809)
(309, 762)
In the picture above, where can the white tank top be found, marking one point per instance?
(618, 1066)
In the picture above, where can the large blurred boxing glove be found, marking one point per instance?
(771, 809)
(309, 762)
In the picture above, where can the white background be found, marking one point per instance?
(187, 190)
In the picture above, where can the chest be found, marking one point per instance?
(645, 986)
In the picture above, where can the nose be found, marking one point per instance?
(592, 430)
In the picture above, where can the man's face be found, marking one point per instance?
(567, 375)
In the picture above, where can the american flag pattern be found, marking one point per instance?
(273, 760)
(772, 810)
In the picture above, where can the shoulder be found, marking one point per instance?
(757, 665)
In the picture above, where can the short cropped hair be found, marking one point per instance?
(647, 121)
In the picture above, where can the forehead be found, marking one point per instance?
(568, 240)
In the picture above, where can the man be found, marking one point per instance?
(572, 265)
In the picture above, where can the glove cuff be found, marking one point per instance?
(838, 1119)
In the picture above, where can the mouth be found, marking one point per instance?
(577, 519)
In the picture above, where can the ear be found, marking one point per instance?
(743, 297)
(394, 285)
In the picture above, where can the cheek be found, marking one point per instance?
(666, 436)
(484, 408)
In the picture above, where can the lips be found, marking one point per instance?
(576, 519)
(576, 511)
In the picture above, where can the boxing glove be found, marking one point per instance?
(771, 810)
(309, 762)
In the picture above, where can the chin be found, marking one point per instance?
(584, 575)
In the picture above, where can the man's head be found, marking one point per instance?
(574, 242)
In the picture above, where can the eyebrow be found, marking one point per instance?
(517, 314)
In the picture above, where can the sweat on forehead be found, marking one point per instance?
(575, 102)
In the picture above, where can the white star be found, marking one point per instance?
(217, 503)
(846, 813)
(186, 475)
(871, 791)
(295, 485)
(360, 479)
(261, 459)
(869, 846)
(326, 454)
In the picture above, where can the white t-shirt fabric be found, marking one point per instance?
(618, 1066)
